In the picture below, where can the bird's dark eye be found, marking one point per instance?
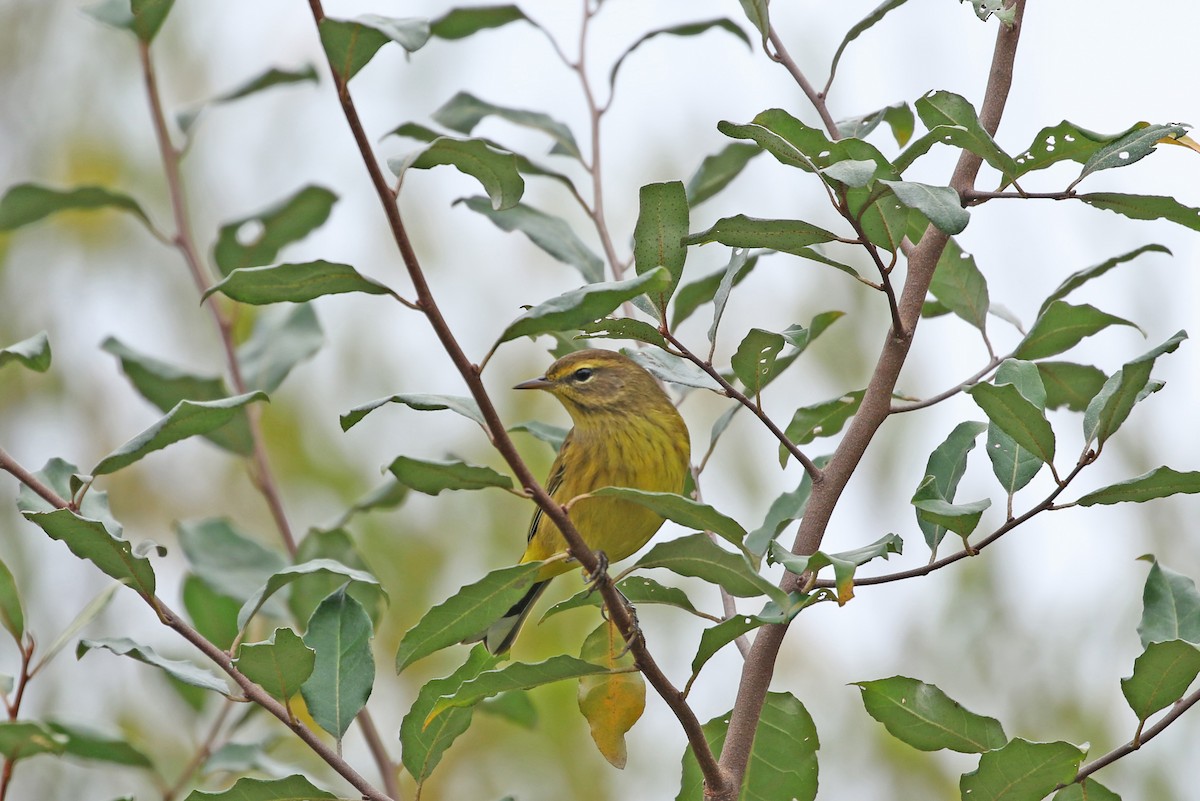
(582, 374)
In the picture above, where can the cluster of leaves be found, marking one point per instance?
(318, 644)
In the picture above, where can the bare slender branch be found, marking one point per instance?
(974, 197)
(30, 480)
(992, 364)
(816, 98)
(1144, 736)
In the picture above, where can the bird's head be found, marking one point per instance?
(599, 381)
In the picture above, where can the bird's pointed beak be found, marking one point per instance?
(535, 383)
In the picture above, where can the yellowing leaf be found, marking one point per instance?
(1185, 141)
(611, 702)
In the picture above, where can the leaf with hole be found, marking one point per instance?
(1133, 146)
(256, 240)
(820, 420)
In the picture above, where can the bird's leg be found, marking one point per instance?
(593, 578)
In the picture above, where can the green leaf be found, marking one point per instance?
(658, 236)
(186, 119)
(290, 788)
(853, 173)
(855, 31)
(33, 353)
(212, 614)
(295, 283)
(340, 632)
(422, 747)
(1070, 385)
(466, 613)
(549, 434)
(496, 170)
(1145, 207)
(636, 589)
(12, 615)
(226, 559)
(717, 171)
(551, 234)
(310, 588)
(946, 466)
(686, 29)
(614, 701)
(27, 203)
(1061, 142)
(1014, 466)
(820, 420)
(740, 231)
(183, 671)
(739, 266)
(256, 240)
(844, 564)
(433, 477)
(186, 419)
(1081, 277)
(941, 204)
(624, 328)
(578, 307)
(459, 23)
(960, 286)
(961, 518)
(754, 360)
(142, 17)
(783, 754)
(351, 44)
(1161, 675)
(1022, 771)
(944, 108)
(699, 557)
(1017, 417)
(83, 743)
(1087, 790)
(673, 369)
(20, 739)
(517, 676)
(756, 12)
(282, 338)
(279, 665)
(165, 385)
(1061, 326)
(1112, 404)
(787, 507)
(63, 477)
(1160, 482)
(684, 511)
(91, 540)
(86, 615)
(465, 406)
(1134, 146)
(714, 638)
(924, 717)
(1170, 607)
(898, 116)
(286, 575)
(464, 111)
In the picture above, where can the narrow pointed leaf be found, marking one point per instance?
(459, 23)
(947, 108)
(1161, 675)
(424, 746)
(551, 234)
(857, 30)
(12, 614)
(464, 111)
(186, 672)
(1016, 416)
(624, 328)
(24, 204)
(699, 557)
(517, 676)
(674, 369)
(739, 266)
(1061, 326)
(496, 170)
(1112, 404)
(1145, 207)
(714, 638)
(20, 739)
(820, 420)
(684, 511)
(295, 283)
(465, 406)
(91, 540)
(256, 240)
(1070, 385)
(344, 669)
(586, 304)
(351, 44)
(1134, 146)
(718, 170)
(756, 11)
(282, 338)
(84, 743)
(33, 353)
(1160, 482)
(946, 465)
(433, 477)
(686, 29)
(784, 509)
(468, 612)
(1022, 771)
(740, 231)
(280, 665)
(1078, 279)
(658, 237)
(637, 589)
(186, 419)
(165, 385)
(1170, 607)
(924, 717)
(783, 755)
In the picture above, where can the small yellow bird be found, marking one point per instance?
(627, 434)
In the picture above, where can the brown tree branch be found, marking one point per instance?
(504, 445)
(874, 410)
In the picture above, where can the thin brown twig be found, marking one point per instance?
(11, 465)
(992, 364)
(504, 445)
(782, 56)
(733, 392)
(203, 751)
(873, 411)
(974, 197)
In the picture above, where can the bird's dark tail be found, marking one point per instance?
(499, 636)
